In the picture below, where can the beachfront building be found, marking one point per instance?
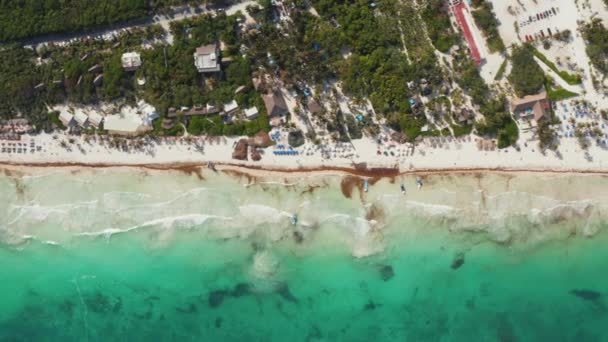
(123, 125)
(275, 104)
(66, 119)
(81, 119)
(148, 118)
(206, 58)
(532, 107)
(251, 113)
(131, 61)
(95, 119)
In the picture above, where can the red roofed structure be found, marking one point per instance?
(458, 7)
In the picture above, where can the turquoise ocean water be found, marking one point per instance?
(125, 255)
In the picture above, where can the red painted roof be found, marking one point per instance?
(460, 18)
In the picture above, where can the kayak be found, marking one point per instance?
(294, 219)
(419, 182)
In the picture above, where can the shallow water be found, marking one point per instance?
(137, 256)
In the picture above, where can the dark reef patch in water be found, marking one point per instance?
(585, 294)
(314, 333)
(241, 289)
(370, 306)
(470, 303)
(145, 316)
(67, 308)
(458, 261)
(504, 330)
(189, 309)
(150, 299)
(216, 298)
(298, 237)
(285, 293)
(100, 303)
(218, 322)
(387, 272)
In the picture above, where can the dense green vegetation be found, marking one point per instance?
(378, 68)
(569, 78)
(596, 35)
(374, 50)
(485, 19)
(26, 18)
(526, 75)
(462, 130)
(469, 79)
(497, 119)
(498, 122)
(171, 79)
(557, 93)
(214, 125)
(18, 77)
(501, 70)
(438, 25)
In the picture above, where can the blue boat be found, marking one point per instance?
(294, 219)
(419, 182)
(365, 185)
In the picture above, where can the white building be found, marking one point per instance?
(230, 107)
(66, 118)
(131, 61)
(122, 125)
(81, 119)
(95, 119)
(206, 58)
(149, 118)
(251, 113)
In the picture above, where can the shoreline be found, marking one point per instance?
(263, 170)
(364, 157)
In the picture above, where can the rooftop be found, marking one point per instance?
(121, 124)
(275, 104)
(230, 106)
(131, 61)
(535, 105)
(81, 118)
(95, 119)
(206, 58)
(251, 113)
(66, 118)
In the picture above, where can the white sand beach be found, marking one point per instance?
(441, 153)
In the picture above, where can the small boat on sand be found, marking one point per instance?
(294, 219)
(403, 189)
(365, 185)
(419, 182)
